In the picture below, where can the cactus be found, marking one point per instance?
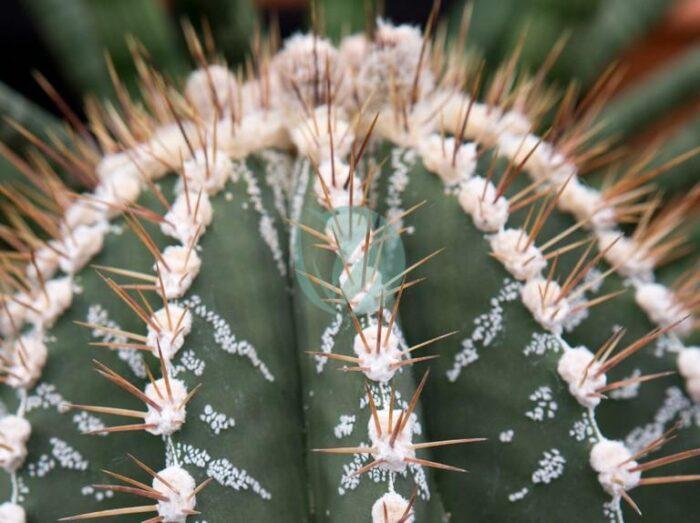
(326, 288)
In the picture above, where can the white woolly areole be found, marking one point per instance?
(209, 88)
(26, 361)
(353, 51)
(174, 323)
(577, 368)
(254, 132)
(388, 72)
(172, 411)
(629, 258)
(14, 434)
(167, 147)
(117, 191)
(312, 137)
(83, 212)
(300, 69)
(12, 513)
(179, 502)
(189, 213)
(392, 456)
(509, 247)
(50, 303)
(476, 196)
(543, 163)
(80, 245)
(586, 203)
(338, 195)
(663, 308)
(391, 508)
(379, 364)
(608, 460)
(361, 298)
(183, 265)
(45, 260)
(407, 128)
(540, 299)
(208, 171)
(689, 367)
(125, 164)
(482, 124)
(437, 154)
(13, 314)
(514, 122)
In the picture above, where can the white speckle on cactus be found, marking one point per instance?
(392, 455)
(26, 361)
(12, 513)
(89, 423)
(675, 406)
(542, 300)
(487, 326)
(49, 303)
(189, 215)
(519, 256)
(613, 462)
(208, 170)
(80, 245)
(67, 456)
(171, 400)
(178, 269)
(380, 357)
(312, 136)
(517, 496)
(212, 91)
(189, 361)
(629, 258)
(582, 429)
(578, 368)
(551, 467)
(180, 493)
(97, 315)
(506, 436)
(689, 367)
(44, 396)
(14, 434)
(545, 407)
(439, 156)
(392, 508)
(172, 325)
(586, 204)
(224, 337)
(217, 421)
(268, 230)
(476, 196)
(345, 426)
(663, 308)
(540, 343)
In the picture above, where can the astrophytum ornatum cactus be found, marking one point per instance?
(324, 289)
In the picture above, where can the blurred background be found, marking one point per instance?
(656, 42)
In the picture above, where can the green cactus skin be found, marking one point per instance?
(331, 396)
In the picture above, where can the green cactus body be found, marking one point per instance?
(236, 275)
